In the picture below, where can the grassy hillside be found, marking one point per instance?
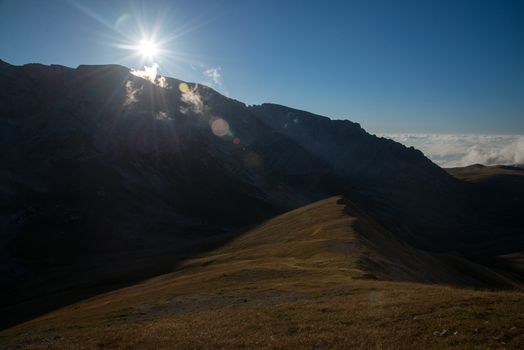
(320, 277)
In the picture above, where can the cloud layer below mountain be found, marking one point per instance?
(452, 150)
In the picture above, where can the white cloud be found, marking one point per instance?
(193, 100)
(151, 74)
(214, 78)
(132, 93)
(162, 116)
(450, 150)
(214, 74)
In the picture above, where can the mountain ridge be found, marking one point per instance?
(100, 163)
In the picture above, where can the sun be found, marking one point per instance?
(147, 48)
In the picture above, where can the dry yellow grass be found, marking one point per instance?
(297, 281)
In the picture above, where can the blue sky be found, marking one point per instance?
(393, 66)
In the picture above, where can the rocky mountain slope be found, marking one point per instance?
(404, 189)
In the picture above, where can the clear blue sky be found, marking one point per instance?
(393, 66)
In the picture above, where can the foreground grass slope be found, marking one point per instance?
(320, 277)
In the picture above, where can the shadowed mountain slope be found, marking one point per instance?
(405, 191)
(498, 193)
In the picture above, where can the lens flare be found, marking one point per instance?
(183, 87)
(219, 127)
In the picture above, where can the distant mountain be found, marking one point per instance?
(108, 177)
